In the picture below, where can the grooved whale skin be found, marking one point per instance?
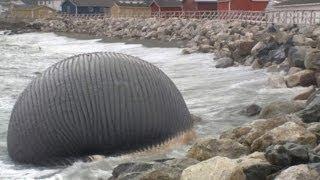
(98, 103)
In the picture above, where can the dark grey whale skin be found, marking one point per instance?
(98, 103)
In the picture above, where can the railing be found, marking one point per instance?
(83, 16)
(305, 17)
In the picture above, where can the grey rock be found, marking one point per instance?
(280, 108)
(278, 155)
(303, 78)
(260, 171)
(251, 110)
(312, 60)
(276, 81)
(291, 154)
(224, 62)
(169, 169)
(129, 168)
(208, 148)
(304, 95)
(297, 55)
(311, 113)
(300, 172)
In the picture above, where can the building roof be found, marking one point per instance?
(168, 3)
(296, 2)
(102, 3)
(132, 3)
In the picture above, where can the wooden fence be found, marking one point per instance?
(304, 17)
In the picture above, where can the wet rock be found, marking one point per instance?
(165, 173)
(208, 148)
(311, 113)
(288, 132)
(247, 133)
(205, 48)
(294, 70)
(317, 76)
(94, 158)
(195, 118)
(290, 154)
(306, 31)
(299, 40)
(251, 110)
(317, 149)
(272, 28)
(304, 95)
(123, 170)
(281, 37)
(280, 108)
(243, 49)
(316, 32)
(248, 61)
(302, 78)
(278, 155)
(297, 55)
(276, 81)
(258, 47)
(216, 168)
(224, 62)
(312, 60)
(182, 163)
(189, 50)
(314, 128)
(256, 65)
(300, 172)
(170, 169)
(255, 166)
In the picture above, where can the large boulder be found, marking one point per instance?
(312, 60)
(247, 133)
(288, 132)
(224, 62)
(169, 169)
(258, 47)
(300, 172)
(290, 154)
(314, 128)
(217, 168)
(304, 95)
(280, 108)
(208, 148)
(272, 52)
(255, 166)
(302, 78)
(294, 70)
(297, 55)
(311, 113)
(251, 110)
(250, 167)
(276, 81)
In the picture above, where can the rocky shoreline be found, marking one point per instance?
(282, 144)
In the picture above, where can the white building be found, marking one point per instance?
(54, 4)
(296, 4)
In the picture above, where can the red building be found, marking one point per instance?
(166, 5)
(245, 5)
(200, 5)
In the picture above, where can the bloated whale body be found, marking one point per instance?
(98, 103)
